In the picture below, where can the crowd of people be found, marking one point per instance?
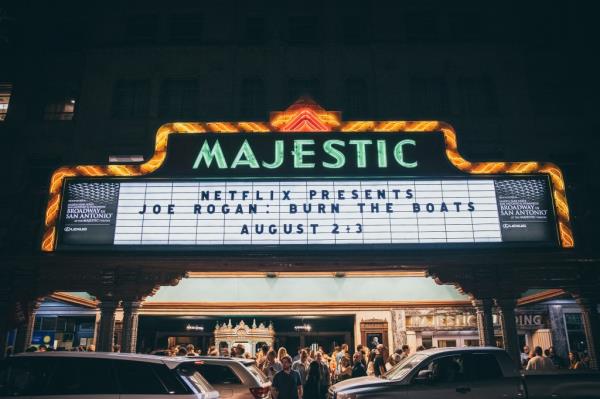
(545, 360)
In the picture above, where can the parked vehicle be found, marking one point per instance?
(234, 378)
(101, 375)
(484, 372)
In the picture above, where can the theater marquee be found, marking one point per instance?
(306, 179)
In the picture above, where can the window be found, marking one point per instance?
(178, 98)
(138, 378)
(471, 342)
(445, 369)
(255, 32)
(60, 110)
(303, 87)
(253, 98)
(427, 342)
(5, 92)
(303, 30)
(575, 332)
(25, 376)
(477, 96)
(77, 376)
(356, 98)
(169, 379)
(130, 98)
(481, 366)
(185, 28)
(446, 343)
(429, 97)
(141, 28)
(216, 374)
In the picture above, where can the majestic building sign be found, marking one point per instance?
(306, 179)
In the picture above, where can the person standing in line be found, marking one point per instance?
(405, 352)
(365, 355)
(261, 356)
(556, 360)
(371, 363)
(345, 369)
(287, 383)
(313, 386)
(539, 362)
(358, 369)
(272, 365)
(525, 356)
(575, 361)
(339, 356)
(281, 353)
(325, 376)
(301, 365)
(379, 363)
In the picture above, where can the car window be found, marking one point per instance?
(257, 373)
(170, 380)
(402, 369)
(26, 376)
(446, 369)
(82, 376)
(217, 374)
(191, 374)
(138, 378)
(482, 366)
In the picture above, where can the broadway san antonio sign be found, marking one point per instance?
(306, 179)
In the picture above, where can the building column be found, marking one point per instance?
(25, 329)
(485, 321)
(106, 328)
(508, 324)
(591, 325)
(130, 326)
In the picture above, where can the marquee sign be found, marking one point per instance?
(306, 179)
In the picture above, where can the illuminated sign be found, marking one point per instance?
(306, 179)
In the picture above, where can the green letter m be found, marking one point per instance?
(208, 154)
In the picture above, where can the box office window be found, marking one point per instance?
(131, 98)
(178, 98)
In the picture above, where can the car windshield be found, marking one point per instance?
(400, 370)
(192, 375)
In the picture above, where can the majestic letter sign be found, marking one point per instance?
(306, 179)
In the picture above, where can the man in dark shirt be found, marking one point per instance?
(287, 383)
(358, 369)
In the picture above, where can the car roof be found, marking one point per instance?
(435, 351)
(171, 362)
(244, 361)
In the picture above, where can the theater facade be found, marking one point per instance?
(366, 231)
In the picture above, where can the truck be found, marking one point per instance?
(468, 373)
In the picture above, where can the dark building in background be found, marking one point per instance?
(82, 82)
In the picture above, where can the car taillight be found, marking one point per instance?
(260, 392)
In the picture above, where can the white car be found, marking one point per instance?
(101, 375)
